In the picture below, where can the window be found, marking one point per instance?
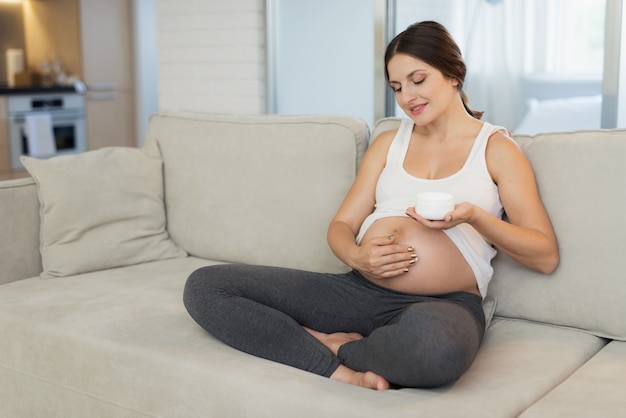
(565, 37)
(522, 54)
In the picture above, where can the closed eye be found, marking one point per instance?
(397, 87)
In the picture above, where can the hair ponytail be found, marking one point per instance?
(474, 113)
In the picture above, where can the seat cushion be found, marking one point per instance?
(120, 342)
(595, 390)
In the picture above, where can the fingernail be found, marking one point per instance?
(410, 249)
(390, 237)
(406, 270)
(413, 255)
(413, 261)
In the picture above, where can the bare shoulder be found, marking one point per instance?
(379, 147)
(384, 139)
(505, 157)
(501, 142)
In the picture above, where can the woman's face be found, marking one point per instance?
(421, 91)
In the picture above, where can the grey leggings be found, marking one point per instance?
(411, 340)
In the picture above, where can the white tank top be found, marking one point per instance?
(397, 190)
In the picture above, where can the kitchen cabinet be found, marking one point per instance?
(95, 44)
(107, 60)
(93, 40)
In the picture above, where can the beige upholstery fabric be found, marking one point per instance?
(119, 342)
(595, 390)
(19, 230)
(100, 209)
(582, 179)
(587, 209)
(489, 308)
(385, 124)
(257, 189)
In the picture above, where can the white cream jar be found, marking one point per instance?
(434, 205)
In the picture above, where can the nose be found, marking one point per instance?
(406, 94)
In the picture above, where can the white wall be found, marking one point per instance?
(212, 55)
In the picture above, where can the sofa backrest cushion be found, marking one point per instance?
(257, 189)
(582, 180)
(581, 177)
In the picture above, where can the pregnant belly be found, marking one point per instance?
(441, 268)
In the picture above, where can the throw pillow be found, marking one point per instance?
(100, 209)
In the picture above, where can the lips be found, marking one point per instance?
(417, 109)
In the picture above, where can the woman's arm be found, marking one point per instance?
(528, 237)
(380, 257)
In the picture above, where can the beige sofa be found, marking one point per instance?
(94, 256)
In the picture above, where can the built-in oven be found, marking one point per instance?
(61, 117)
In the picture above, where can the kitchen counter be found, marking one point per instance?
(7, 91)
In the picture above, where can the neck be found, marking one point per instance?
(452, 124)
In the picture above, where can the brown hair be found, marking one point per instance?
(432, 43)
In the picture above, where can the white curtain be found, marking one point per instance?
(492, 42)
(504, 41)
(493, 48)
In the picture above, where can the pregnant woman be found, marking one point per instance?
(409, 313)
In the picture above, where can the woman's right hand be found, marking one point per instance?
(382, 258)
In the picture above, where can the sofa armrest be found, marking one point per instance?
(19, 230)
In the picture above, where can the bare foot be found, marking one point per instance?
(335, 340)
(343, 373)
(368, 380)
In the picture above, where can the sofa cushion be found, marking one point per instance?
(581, 178)
(594, 390)
(221, 177)
(100, 209)
(120, 341)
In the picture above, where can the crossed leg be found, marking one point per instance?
(344, 374)
(260, 310)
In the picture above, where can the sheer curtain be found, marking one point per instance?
(492, 45)
(505, 42)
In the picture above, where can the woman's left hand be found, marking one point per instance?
(460, 214)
